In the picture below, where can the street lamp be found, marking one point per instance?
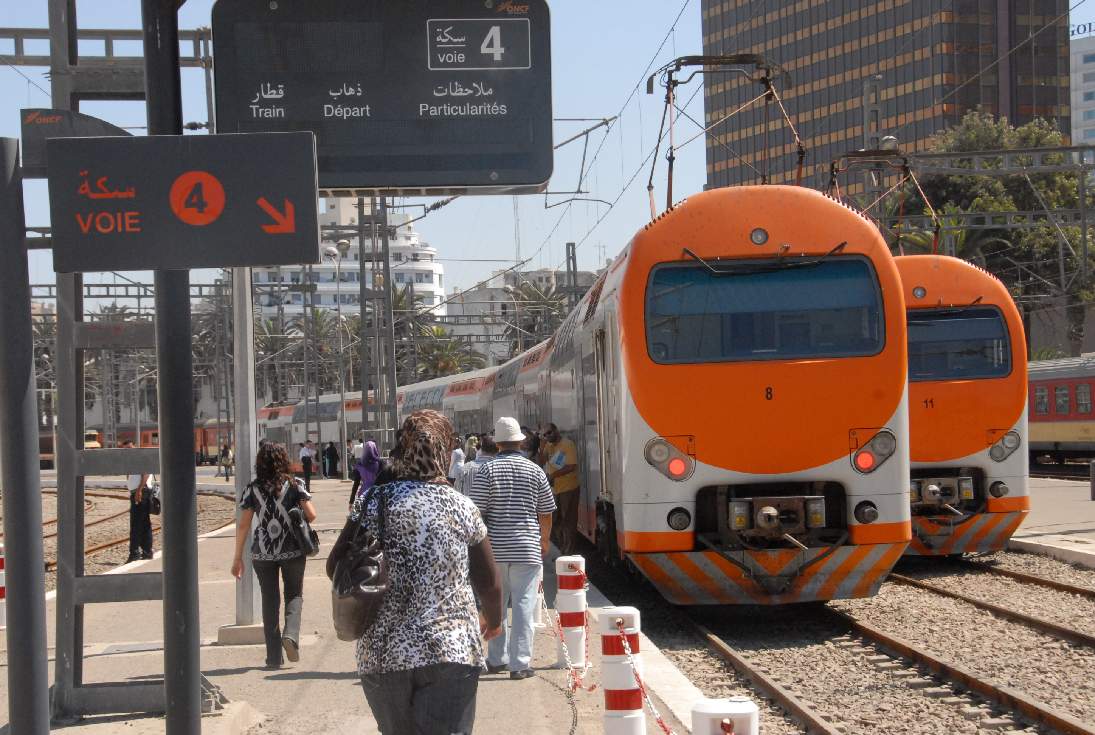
(337, 254)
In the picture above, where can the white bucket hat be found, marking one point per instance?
(507, 429)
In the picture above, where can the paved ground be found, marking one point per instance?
(320, 694)
(1061, 521)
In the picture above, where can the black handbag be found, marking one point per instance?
(306, 536)
(360, 580)
(153, 489)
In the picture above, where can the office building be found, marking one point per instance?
(1083, 90)
(908, 68)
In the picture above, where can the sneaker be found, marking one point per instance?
(146, 556)
(522, 674)
(133, 558)
(292, 651)
(492, 669)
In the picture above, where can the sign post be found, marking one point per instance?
(420, 98)
(210, 201)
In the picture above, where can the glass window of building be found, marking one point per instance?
(1089, 96)
(1089, 58)
(1089, 134)
(1089, 114)
(1041, 400)
(1083, 398)
(441, 280)
(1089, 77)
(1062, 400)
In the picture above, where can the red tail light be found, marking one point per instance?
(677, 467)
(864, 461)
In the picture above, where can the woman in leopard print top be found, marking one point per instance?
(420, 662)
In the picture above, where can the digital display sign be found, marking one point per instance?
(412, 97)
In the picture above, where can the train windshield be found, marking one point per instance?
(764, 310)
(958, 344)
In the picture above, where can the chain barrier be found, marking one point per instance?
(639, 682)
(575, 675)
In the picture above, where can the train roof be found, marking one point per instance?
(1065, 367)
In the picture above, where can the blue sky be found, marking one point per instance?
(600, 51)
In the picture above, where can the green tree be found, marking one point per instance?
(539, 313)
(441, 354)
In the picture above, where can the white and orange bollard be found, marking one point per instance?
(623, 695)
(3, 592)
(736, 715)
(570, 604)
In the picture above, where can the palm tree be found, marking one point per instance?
(969, 244)
(441, 354)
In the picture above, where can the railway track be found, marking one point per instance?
(1031, 579)
(942, 692)
(1060, 471)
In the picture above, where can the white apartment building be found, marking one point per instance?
(1082, 65)
(413, 261)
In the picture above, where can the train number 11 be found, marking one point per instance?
(929, 403)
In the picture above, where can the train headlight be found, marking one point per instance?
(667, 459)
(866, 512)
(1004, 448)
(759, 236)
(815, 513)
(880, 448)
(965, 488)
(999, 489)
(679, 519)
(739, 515)
(914, 491)
(657, 452)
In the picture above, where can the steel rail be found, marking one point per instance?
(1033, 579)
(51, 565)
(1006, 697)
(95, 522)
(1039, 624)
(814, 723)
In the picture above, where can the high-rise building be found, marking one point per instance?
(413, 262)
(1083, 90)
(912, 67)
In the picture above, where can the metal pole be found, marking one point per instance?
(1083, 224)
(243, 365)
(341, 370)
(363, 298)
(182, 665)
(306, 276)
(390, 379)
(28, 679)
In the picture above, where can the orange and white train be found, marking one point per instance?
(736, 385)
(967, 407)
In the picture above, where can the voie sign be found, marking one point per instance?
(415, 96)
(179, 202)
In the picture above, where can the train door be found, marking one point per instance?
(591, 433)
(609, 391)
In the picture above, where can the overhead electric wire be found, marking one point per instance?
(17, 71)
(569, 206)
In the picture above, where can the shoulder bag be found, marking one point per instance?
(306, 536)
(154, 503)
(360, 580)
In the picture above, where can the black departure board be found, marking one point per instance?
(414, 96)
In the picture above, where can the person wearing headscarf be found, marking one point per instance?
(268, 502)
(420, 661)
(368, 467)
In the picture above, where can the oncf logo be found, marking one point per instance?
(38, 118)
(512, 8)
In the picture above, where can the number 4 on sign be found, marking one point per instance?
(492, 44)
(284, 223)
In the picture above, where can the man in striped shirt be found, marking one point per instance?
(487, 451)
(515, 500)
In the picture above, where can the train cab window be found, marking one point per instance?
(1041, 400)
(1062, 400)
(958, 344)
(764, 310)
(1083, 398)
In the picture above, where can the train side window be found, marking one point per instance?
(1083, 398)
(1062, 400)
(1041, 400)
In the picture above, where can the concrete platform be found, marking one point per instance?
(1061, 523)
(321, 694)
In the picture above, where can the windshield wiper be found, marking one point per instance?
(746, 267)
(960, 309)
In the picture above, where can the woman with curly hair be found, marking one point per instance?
(420, 661)
(274, 549)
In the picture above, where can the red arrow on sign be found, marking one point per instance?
(283, 223)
